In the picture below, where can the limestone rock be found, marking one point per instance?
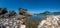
(24, 12)
(3, 11)
(12, 12)
(50, 22)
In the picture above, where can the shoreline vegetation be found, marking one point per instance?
(23, 16)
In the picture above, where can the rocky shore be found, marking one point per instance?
(12, 19)
(50, 22)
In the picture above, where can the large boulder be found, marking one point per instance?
(3, 11)
(50, 22)
(6, 15)
(24, 12)
(12, 12)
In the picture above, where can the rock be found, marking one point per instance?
(12, 19)
(3, 11)
(12, 12)
(23, 26)
(1, 16)
(6, 15)
(24, 12)
(50, 22)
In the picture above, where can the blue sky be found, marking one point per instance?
(33, 6)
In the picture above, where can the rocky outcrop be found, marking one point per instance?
(24, 12)
(50, 22)
(13, 19)
(3, 11)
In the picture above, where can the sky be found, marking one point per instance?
(33, 6)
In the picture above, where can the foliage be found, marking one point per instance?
(33, 24)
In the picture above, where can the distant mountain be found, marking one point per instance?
(47, 13)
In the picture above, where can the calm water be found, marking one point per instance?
(40, 17)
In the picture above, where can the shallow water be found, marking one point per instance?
(40, 17)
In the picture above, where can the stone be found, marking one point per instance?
(3, 11)
(12, 12)
(50, 22)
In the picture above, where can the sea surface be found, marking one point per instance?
(40, 17)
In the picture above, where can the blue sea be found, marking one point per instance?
(40, 17)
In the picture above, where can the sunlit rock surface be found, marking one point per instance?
(11, 19)
(50, 22)
(23, 26)
(11, 22)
